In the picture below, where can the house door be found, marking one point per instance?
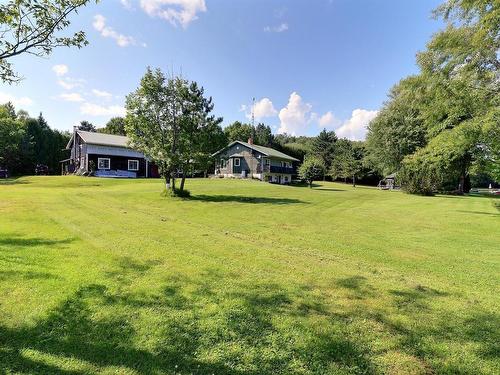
(236, 165)
(279, 179)
(154, 173)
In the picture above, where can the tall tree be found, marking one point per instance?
(115, 125)
(32, 27)
(446, 126)
(87, 126)
(149, 121)
(170, 121)
(12, 133)
(323, 147)
(263, 135)
(311, 169)
(398, 130)
(238, 132)
(347, 161)
(198, 127)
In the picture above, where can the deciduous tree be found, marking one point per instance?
(32, 27)
(311, 169)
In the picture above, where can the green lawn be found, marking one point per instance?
(107, 276)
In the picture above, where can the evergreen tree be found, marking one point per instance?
(323, 147)
(87, 126)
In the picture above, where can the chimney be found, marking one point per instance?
(250, 141)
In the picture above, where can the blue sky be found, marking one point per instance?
(310, 64)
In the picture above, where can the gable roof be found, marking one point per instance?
(267, 151)
(102, 139)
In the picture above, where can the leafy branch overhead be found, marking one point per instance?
(32, 27)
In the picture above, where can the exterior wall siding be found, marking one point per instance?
(254, 164)
(120, 163)
(248, 162)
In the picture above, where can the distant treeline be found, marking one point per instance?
(26, 142)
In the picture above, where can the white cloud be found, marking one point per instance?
(60, 69)
(101, 94)
(127, 4)
(98, 110)
(355, 128)
(295, 116)
(71, 97)
(328, 120)
(263, 108)
(277, 29)
(177, 12)
(68, 83)
(108, 32)
(22, 101)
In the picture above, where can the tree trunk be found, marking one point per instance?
(354, 180)
(310, 184)
(182, 182)
(463, 175)
(167, 181)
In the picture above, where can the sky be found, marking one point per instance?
(309, 64)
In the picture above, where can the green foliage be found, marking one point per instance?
(398, 129)
(170, 121)
(12, 133)
(347, 160)
(439, 126)
(26, 142)
(115, 125)
(87, 126)
(238, 132)
(311, 169)
(32, 27)
(323, 147)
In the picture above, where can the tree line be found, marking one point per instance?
(26, 142)
(440, 129)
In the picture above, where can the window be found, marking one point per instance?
(282, 163)
(133, 165)
(268, 161)
(222, 163)
(103, 163)
(237, 162)
(286, 178)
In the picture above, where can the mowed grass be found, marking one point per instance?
(107, 276)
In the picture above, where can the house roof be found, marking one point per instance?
(267, 151)
(102, 139)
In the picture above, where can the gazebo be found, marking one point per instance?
(388, 183)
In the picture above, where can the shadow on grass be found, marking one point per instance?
(481, 213)
(95, 328)
(199, 326)
(13, 181)
(27, 275)
(303, 185)
(314, 186)
(328, 189)
(15, 242)
(244, 199)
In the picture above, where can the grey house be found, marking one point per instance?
(245, 159)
